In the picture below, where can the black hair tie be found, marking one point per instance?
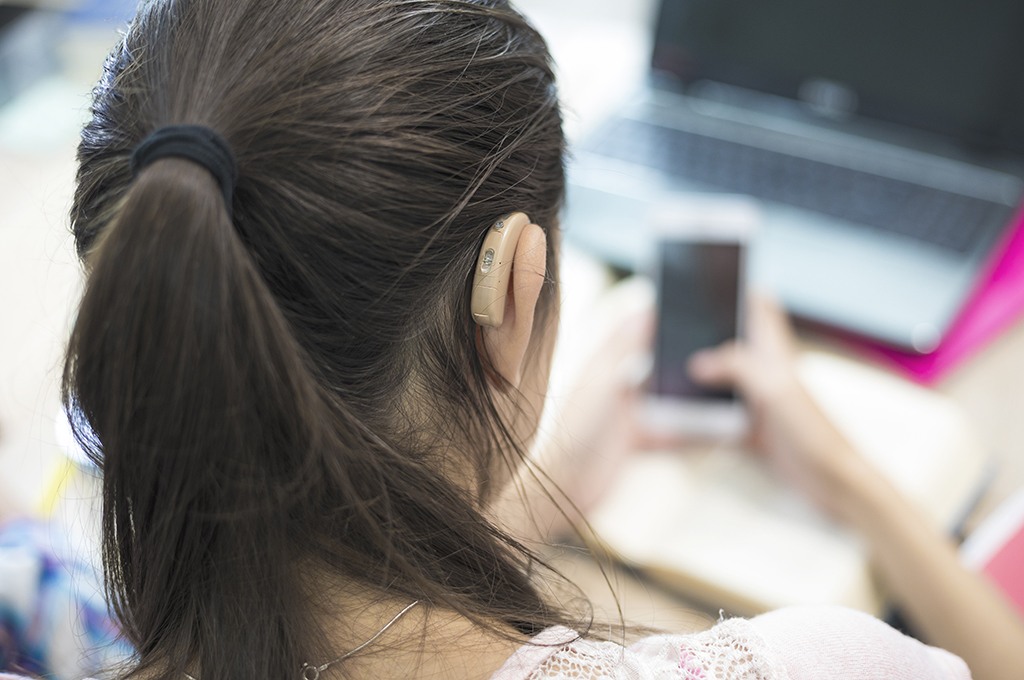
(196, 143)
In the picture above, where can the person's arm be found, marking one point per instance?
(951, 607)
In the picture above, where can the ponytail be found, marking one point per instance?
(184, 368)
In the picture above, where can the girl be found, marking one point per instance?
(314, 345)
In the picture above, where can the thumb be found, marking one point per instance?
(721, 366)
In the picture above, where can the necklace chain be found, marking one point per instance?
(308, 672)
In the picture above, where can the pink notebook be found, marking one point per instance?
(996, 549)
(996, 303)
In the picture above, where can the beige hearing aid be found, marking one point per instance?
(493, 268)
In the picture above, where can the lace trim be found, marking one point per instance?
(732, 650)
(582, 660)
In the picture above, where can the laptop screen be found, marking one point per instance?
(955, 67)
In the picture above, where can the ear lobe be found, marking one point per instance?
(506, 345)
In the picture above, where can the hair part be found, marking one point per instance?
(255, 384)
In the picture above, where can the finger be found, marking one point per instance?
(625, 343)
(763, 298)
(628, 314)
(718, 367)
(635, 333)
(768, 320)
(644, 439)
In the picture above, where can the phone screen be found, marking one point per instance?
(698, 299)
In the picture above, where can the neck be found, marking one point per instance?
(424, 644)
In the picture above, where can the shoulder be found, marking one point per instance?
(662, 657)
(560, 653)
(797, 643)
(8, 676)
(814, 641)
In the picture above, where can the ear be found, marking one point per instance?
(507, 344)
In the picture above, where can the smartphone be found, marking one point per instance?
(700, 275)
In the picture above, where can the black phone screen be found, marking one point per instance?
(698, 300)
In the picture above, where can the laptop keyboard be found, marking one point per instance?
(943, 218)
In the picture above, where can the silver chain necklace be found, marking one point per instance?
(308, 672)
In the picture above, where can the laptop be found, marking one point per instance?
(883, 140)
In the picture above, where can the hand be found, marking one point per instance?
(787, 426)
(598, 428)
(593, 427)
(918, 564)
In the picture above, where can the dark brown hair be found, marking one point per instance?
(284, 387)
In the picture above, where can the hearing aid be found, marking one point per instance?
(494, 267)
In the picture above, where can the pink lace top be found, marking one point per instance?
(796, 643)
